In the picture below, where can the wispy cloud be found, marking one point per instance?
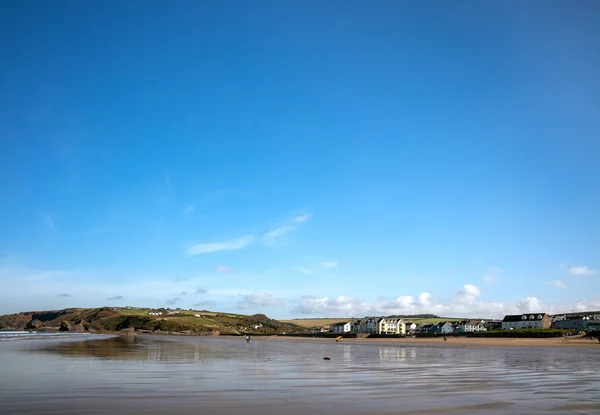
(306, 271)
(173, 301)
(65, 295)
(189, 208)
(275, 236)
(557, 284)
(229, 245)
(223, 269)
(302, 218)
(490, 278)
(582, 270)
(495, 270)
(50, 224)
(196, 291)
(207, 303)
(116, 297)
(257, 300)
(330, 264)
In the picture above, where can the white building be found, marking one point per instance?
(342, 327)
(471, 326)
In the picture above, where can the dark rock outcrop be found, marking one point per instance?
(35, 324)
(65, 326)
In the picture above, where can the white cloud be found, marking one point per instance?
(330, 264)
(468, 294)
(582, 270)
(223, 269)
(275, 236)
(557, 284)
(490, 278)
(306, 271)
(465, 304)
(587, 306)
(325, 306)
(258, 300)
(189, 208)
(230, 245)
(424, 299)
(530, 305)
(302, 218)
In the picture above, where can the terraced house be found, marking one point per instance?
(391, 325)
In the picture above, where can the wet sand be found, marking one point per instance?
(193, 375)
(465, 341)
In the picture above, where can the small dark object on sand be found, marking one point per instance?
(327, 358)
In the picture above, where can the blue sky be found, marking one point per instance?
(300, 158)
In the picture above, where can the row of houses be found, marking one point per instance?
(545, 321)
(396, 325)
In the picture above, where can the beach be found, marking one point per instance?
(226, 375)
(461, 341)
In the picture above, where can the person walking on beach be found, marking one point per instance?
(247, 338)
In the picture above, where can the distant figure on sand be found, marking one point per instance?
(445, 338)
(247, 338)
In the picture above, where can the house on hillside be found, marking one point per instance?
(469, 326)
(341, 327)
(357, 326)
(526, 321)
(391, 325)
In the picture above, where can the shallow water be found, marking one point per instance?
(194, 375)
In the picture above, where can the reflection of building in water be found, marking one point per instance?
(171, 351)
(347, 352)
(398, 353)
(392, 353)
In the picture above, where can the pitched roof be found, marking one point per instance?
(519, 317)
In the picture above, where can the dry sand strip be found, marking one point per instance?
(456, 341)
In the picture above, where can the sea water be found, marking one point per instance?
(198, 375)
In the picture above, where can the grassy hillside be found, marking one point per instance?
(314, 322)
(110, 319)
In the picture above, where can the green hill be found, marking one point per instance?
(114, 319)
